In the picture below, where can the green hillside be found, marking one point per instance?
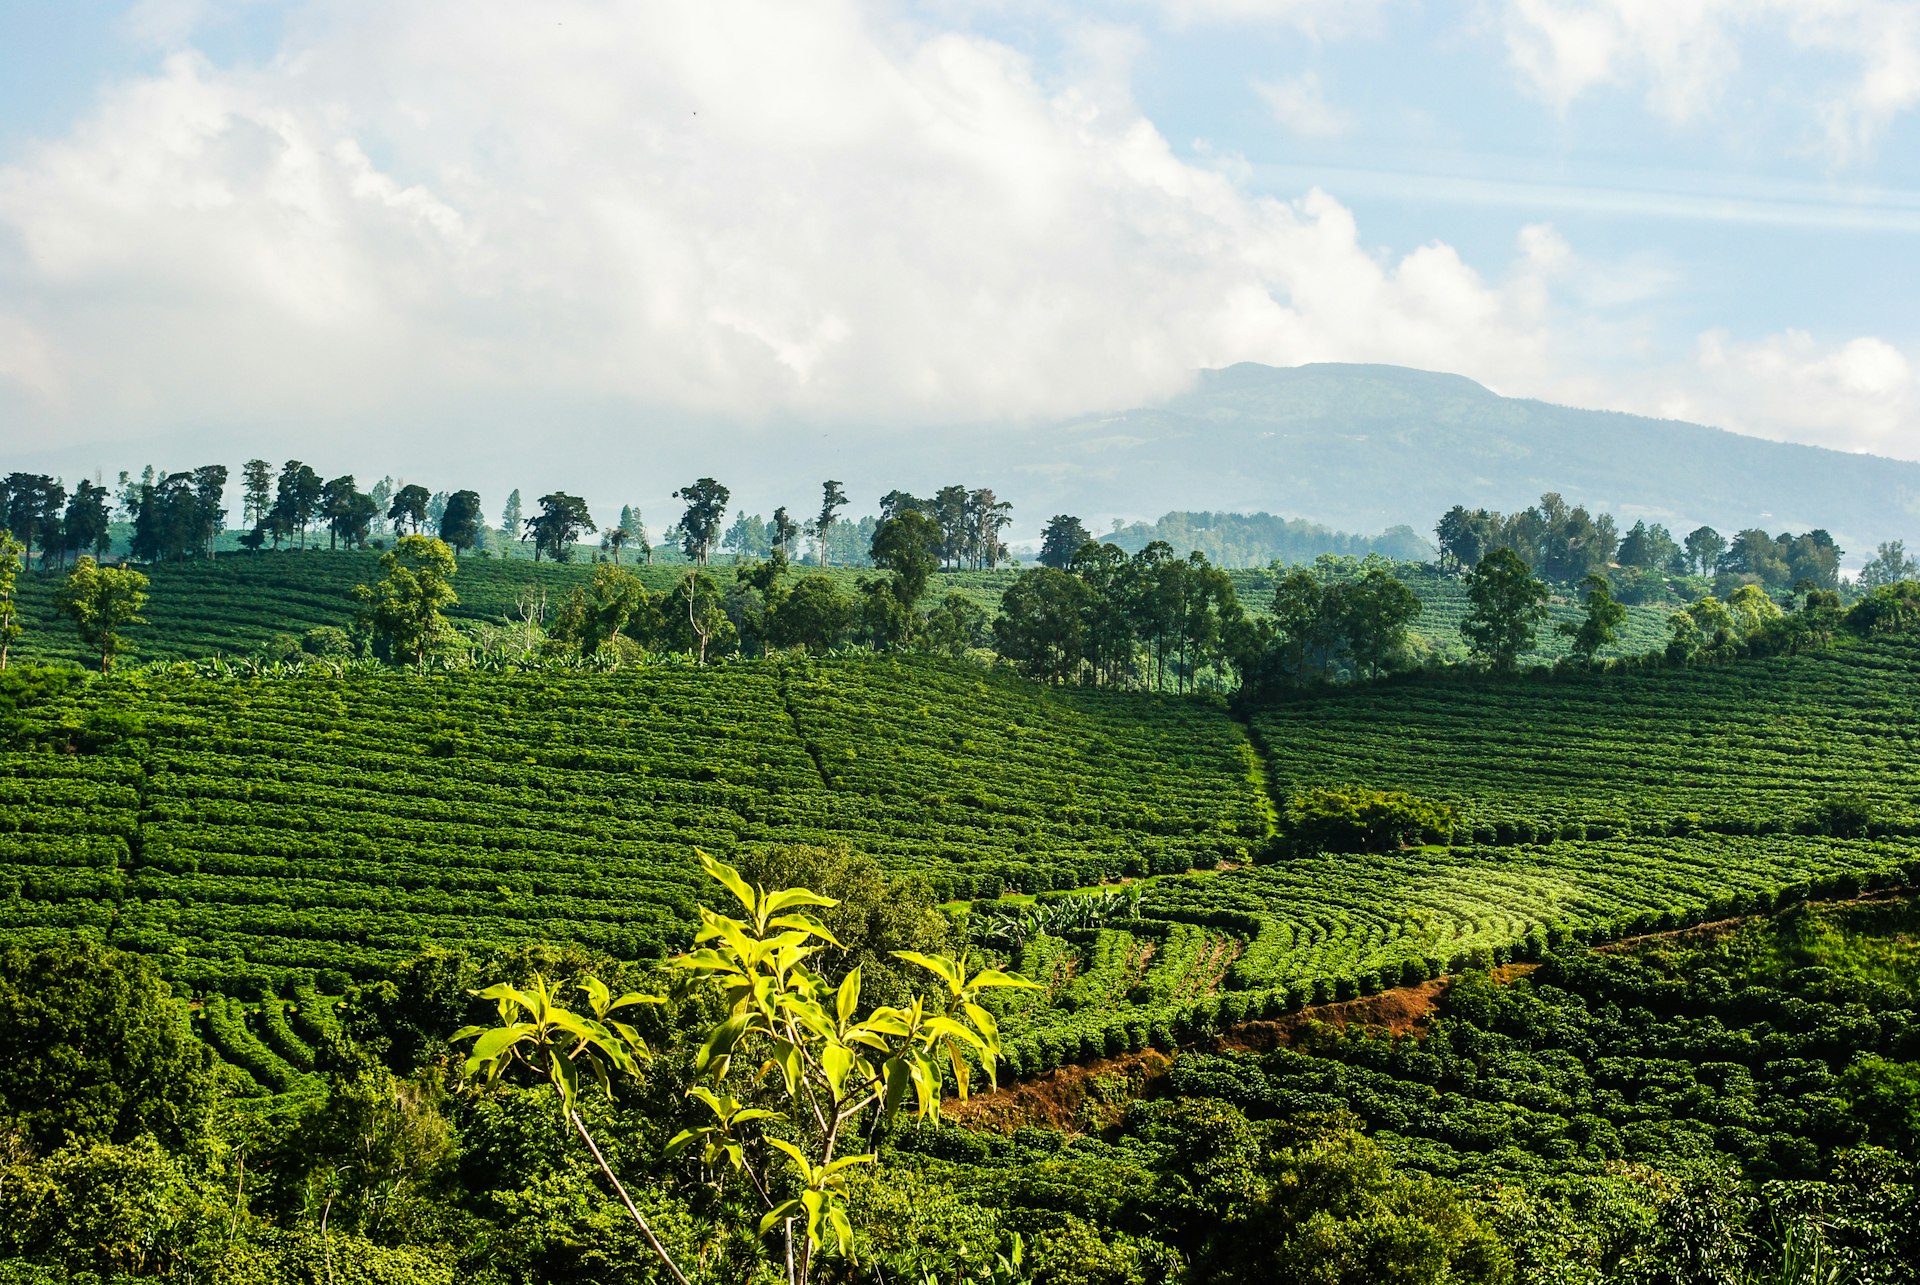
(260, 830)
(271, 832)
(1755, 747)
(235, 605)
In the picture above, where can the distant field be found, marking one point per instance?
(235, 604)
(1443, 605)
(1748, 747)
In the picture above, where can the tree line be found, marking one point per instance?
(180, 515)
(1564, 544)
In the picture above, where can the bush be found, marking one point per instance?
(1355, 819)
(329, 642)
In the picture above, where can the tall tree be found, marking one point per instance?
(405, 611)
(1888, 565)
(1308, 643)
(297, 499)
(1061, 541)
(706, 612)
(256, 481)
(460, 521)
(593, 615)
(949, 513)
(336, 508)
(700, 524)
(1377, 610)
(1704, 547)
(615, 540)
(782, 532)
(209, 496)
(832, 499)
(561, 521)
(747, 537)
(909, 547)
(1109, 631)
(1505, 607)
(11, 552)
(409, 508)
(382, 497)
(1040, 624)
(512, 524)
(34, 504)
(1601, 625)
(102, 601)
(87, 527)
(987, 517)
(167, 522)
(814, 615)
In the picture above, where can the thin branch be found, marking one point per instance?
(580, 1127)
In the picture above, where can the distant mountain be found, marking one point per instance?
(1364, 448)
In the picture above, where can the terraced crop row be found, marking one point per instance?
(1213, 950)
(1752, 747)
(254, 832)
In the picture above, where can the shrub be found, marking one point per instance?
(1355, 819)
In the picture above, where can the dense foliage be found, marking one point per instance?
(1731, 1105)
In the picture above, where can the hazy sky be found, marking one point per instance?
(570, 240)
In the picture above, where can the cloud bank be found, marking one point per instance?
(746, 210)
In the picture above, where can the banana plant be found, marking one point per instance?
(837, 1074)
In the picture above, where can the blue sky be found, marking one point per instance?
(332, 222)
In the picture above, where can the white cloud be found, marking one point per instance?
(1862, 394)
(1326, 19)
(1686, 56)
(1300, 105)
(742, 208)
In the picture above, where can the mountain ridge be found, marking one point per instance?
(1366, 447)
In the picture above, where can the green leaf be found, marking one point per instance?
(899, 1081)
(773, 1217)
(804, 924)
(837, 1061)
(597, 994)
(794, 1153)
(789, 897)
(498, 1040)
(946, 969)
(849, 996)
(560, 1070)
(842, 1226)
(635, 997)
(721, 1040)
(730, 879)
(989, 977)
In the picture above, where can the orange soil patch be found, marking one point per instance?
(1400, 1011)
(1071, 1098)
(1094, 1094)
